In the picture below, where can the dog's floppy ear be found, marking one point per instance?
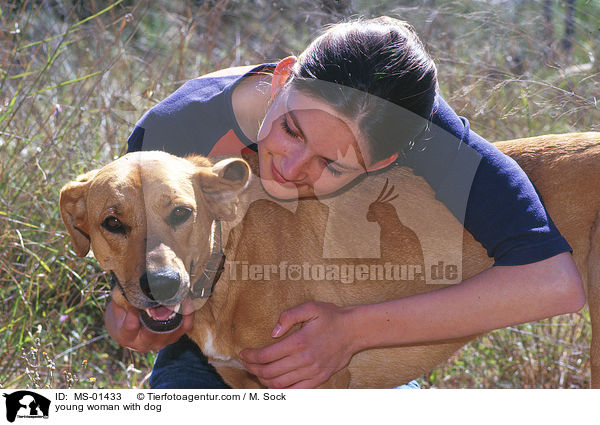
(73, 212)
(221, 185)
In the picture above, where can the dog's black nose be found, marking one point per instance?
(160, 285)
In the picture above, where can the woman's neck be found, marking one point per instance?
(250, 101)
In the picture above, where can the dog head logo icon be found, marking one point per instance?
(26, 404)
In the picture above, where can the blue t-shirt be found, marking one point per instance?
(485, 189)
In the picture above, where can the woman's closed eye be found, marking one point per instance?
(287, 129)
(334, 171)
(294, 134)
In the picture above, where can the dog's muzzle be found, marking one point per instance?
(158, 318)
(163, 284)
(160, 285)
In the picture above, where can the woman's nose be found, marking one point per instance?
(294, 166)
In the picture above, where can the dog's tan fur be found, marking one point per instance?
(142, 188)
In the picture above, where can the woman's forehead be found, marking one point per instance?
(318, 118)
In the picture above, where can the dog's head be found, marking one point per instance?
(147, 217)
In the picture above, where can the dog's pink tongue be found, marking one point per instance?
(160, 313)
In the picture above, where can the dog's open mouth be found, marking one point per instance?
(161, 318)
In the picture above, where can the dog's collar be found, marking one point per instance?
(204, 286)
(114, 281)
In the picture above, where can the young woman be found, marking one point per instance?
(316, 127)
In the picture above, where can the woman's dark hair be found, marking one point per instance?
(381, 58)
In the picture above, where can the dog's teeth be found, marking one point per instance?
(159, 316)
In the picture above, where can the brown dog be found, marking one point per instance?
(151, 221)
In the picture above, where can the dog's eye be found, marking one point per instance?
(179, 215)
(113, 225)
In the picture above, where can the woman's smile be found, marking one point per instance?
(278, 177)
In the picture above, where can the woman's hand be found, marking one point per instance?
(124, 326)
(308, 356)
(498, 297)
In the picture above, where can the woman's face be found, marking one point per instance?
(307, 148)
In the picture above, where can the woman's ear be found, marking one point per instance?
(281, 74)
(382, 163)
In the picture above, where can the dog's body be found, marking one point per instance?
(169, 243)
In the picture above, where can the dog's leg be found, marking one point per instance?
(594, 302)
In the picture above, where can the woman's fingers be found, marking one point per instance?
(288, 318)
(277, 368)
(124, 326)
(270, 353)
(306, 377)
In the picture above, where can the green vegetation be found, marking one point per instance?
(75, 76)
